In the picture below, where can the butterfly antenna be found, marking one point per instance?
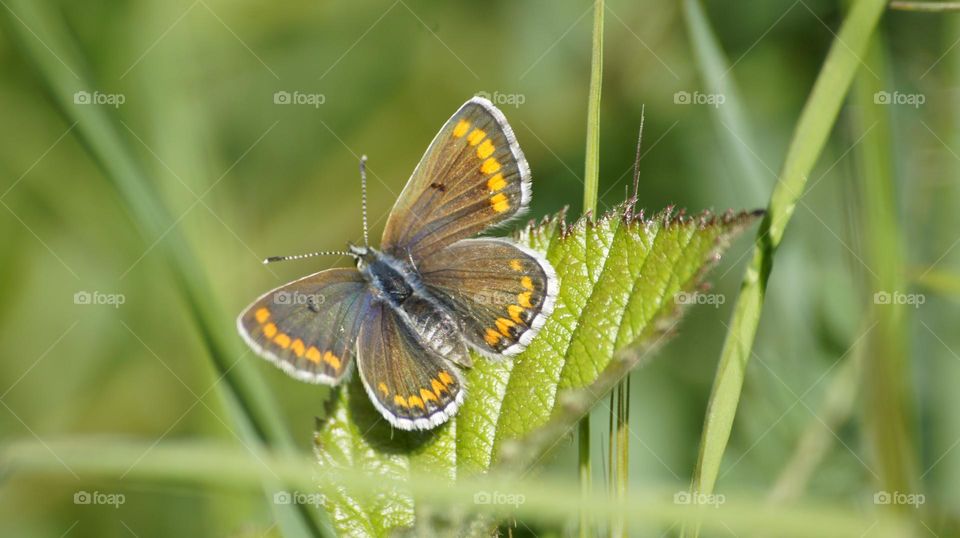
(363, 197)
(272, 259)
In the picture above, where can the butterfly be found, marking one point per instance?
(409, 313)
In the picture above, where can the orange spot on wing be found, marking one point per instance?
(382, 387)
(438, 387)
(269, 330)
(490, 166)
(491, 337)
(496, 183)
(485, 150)
(515, 313)
(504, 325)
(499, 202)
(416, 401)
(461, 128)
(526, 282)
(524, 299)
(446, 379)
(516, 265)
(428, 396)
(297, 347)
(332, 360)
(400, 400)
(476, 136)
(282, 340)
(313, 354)
(262, 315)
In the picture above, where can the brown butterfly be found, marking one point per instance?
(409, 312)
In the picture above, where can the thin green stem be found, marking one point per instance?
(586, 486)
(620, 467)
(591, 173)
(590, 188)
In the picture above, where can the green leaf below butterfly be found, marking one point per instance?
(620, 280)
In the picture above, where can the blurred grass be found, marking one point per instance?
(544, 500)
(199, 98)
(252, 408)
(810, 137)
(888, 400)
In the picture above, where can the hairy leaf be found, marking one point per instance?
(623, 281)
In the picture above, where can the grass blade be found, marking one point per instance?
(811, 133)
(591, 186)
(545, 499)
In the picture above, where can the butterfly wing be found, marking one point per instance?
(472, 176)
(411, 386)
(308, 327)
(503, 292)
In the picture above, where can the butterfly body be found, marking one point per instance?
(408, 313)
(399, 285)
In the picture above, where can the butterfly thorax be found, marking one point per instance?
(389, 279)
(398, 284)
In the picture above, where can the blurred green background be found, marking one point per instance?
(245, 176)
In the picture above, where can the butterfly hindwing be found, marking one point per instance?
(502, 292)
(308, 327)
(411, 386)
(472, 176)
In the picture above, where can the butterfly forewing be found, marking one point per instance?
(502, 293)
(472, 176)
(411, 386)
(308, 327)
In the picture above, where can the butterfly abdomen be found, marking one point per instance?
(435, 326)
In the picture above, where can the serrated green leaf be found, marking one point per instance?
(620, 279)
